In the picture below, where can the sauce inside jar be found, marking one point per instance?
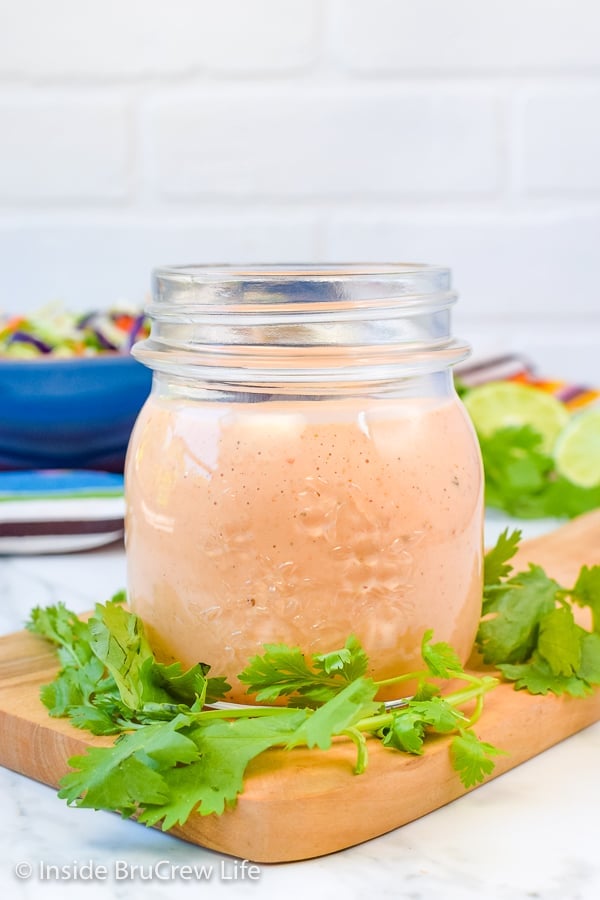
(303, 521)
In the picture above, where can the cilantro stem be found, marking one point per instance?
(361, 747)
(241, 712)
(375, 723)
(204, 715)
(424, 674)
(479, 687)
(408, 676)
(476, 712)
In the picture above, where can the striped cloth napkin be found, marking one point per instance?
(513, 367)
(58, 511)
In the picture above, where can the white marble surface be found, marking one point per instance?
(532, 833)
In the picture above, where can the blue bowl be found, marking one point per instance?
(74, 413)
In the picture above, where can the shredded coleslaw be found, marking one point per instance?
(53, 331)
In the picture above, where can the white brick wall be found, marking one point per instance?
(65, 150)
(466, 36)
(99, 260)
(138, 132)
(308, 143)
(560, 140)
(112, 40)
(535, 266)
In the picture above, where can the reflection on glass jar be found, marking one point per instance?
(303, 469)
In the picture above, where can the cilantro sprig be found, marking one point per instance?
(180, 750)
(528, 628)
(283, 671)
(109, 679)
(521, 479)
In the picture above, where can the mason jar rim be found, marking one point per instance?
(337, 270)
(326, 289)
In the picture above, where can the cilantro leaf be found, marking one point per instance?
(117, 638)
(124, 776)
(589, 667)
(350, 662)
(282, 671)
(439, 714)
(426, 690)
(587, 592)
(407, 731)
(279, 672)
(341, 712)
(441, 659)
(559, 641)
(74, 687)
(186, 791)
(188, 685)
(63, 628)
(472, 758)
(82, 684)
(212, 782)
(564, 499)
(130, 785)
(97, 718)
(537, 677)
(514, 466)
(496, 559)
(510, 634)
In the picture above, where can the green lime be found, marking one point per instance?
(577, 450)
(502, 404)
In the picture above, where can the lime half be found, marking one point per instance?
(577, 450)
(503, 404)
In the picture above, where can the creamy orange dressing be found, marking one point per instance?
(303, 522)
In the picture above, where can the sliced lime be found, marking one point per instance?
(577, 449)
(502, 404)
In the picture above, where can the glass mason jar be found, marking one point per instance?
(303, 469)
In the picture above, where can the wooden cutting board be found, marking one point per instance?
(300, 804)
